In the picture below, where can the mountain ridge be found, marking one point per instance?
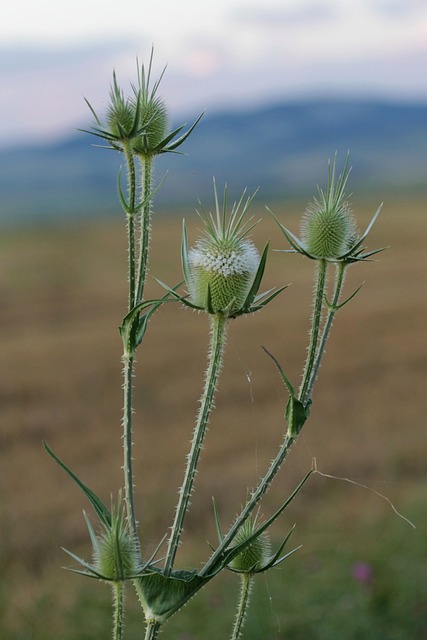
(283, 148)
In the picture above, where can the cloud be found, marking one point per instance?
(399, 9)
(277, 17)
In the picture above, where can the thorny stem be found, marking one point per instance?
(304, 394)
(246, 585)
(217, 344)
(128, 361)
(144, 240)
(152, 630)
(339, 283)
(118, 614)
(131, 213)
(137, 276)
(256, 496)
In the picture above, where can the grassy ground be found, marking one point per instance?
(63, 293)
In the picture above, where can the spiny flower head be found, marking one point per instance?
(328, 228)
(114, 551)
(256, 555)
(139, 123)
(221, 268)
(153, 116)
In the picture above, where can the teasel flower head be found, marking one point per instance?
(328, 228)
(114, 549)
(256, 554)
(223, 271)
(139, 123)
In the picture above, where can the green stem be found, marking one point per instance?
(131, 245)
(256, 496)
(152, 630)
(339, 283)
(243, 605)
(144, 239)
(137, 275)
(118, 613)
(128, 358)
(218, 337)
(304, 395)
(128, 361)
(131, 173)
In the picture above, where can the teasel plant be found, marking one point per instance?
(137, 127)
(222, 277)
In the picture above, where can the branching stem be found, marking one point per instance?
(218, 338)
(131, 213)
(144, 239)
(256, 496)
(137, 276)
(339, 283)
(304, 394)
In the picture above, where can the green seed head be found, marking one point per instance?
(115, 554)
(256, 554)
(328, 229)
(153, 123)
(120, 116)
(227, 268)
(328, 232)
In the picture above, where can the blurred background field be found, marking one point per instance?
(63, 294)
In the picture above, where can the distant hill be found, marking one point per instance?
(281, 148)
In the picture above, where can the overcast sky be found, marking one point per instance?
(225, 53)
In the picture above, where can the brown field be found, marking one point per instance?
(63, 294)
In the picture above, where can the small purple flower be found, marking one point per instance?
(363, 572)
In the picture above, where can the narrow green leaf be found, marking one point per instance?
(337, 307)
(209, 306)
(257, 279)
(150, 195)
(291, 238)
(99, 507)
(92, 110)
(122, 197)
(92, 535)
(92, 571)
(285, 379)
(217, 522)
(184, 254)
(360, 241)
(169, 137)
(259, 299)
(184, 137)
(296, 413)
